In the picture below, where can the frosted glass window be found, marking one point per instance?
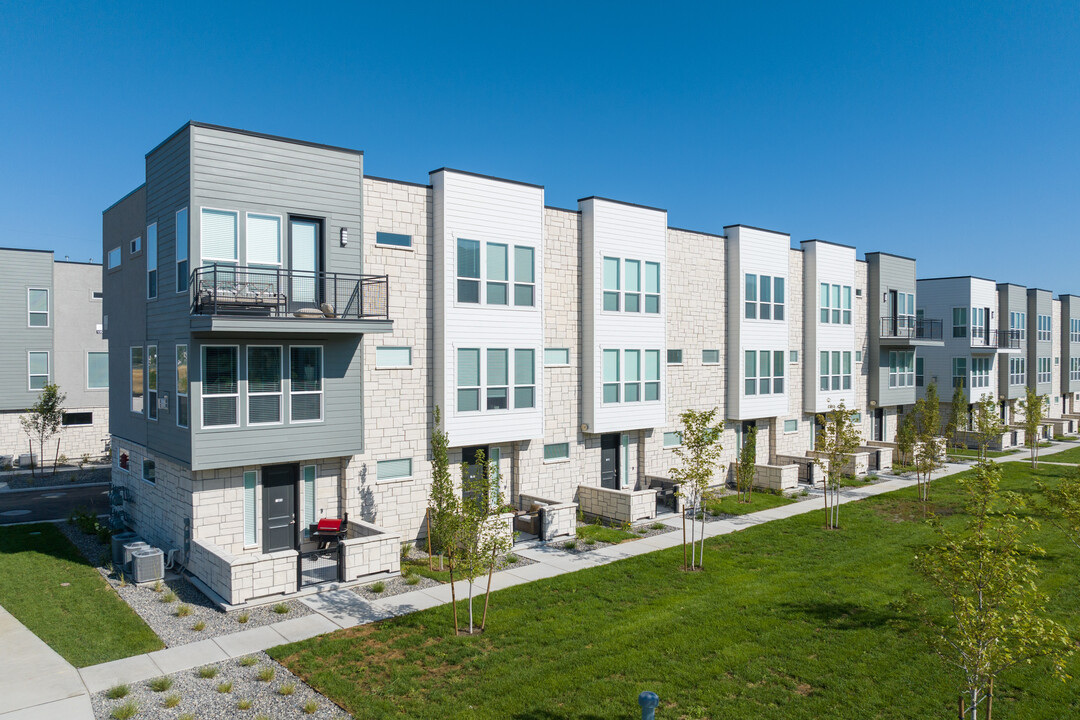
(394, 469)
(393, 357)
(97, 370)
(557, 451)
(554, 357)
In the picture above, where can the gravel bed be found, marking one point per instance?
(161, 616)
(397, 585)
(581, 547)
(66, 476)
(200, 698)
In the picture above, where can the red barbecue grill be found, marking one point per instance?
(329, 530)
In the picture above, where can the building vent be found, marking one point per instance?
(147, 565)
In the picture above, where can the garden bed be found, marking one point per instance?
(414, 566)
(22, 480)
(593, 536)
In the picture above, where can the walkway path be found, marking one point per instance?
(27, 664)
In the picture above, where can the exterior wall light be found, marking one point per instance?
(344, 237)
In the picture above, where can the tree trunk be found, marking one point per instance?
(701, 553)
(427, 519)
(470, 606)
(31, 457)
(693, 537)
(828, 517)
(683, 535)
(453, 595)
(487, 595)
(990, 700)
(56, 458)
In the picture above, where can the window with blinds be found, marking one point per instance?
(219, 235)
(182, 270)
(263, 240)
(220, 387)
(307, 476)
(136, 366)
(250, 518)
(306, 387)
(398, 469)
(555, 452)
(264, 385)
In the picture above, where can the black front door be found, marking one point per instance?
(879, 425)
(471, 457)
(279, 507)
(609, 461)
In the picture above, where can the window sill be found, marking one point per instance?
(391, 481)
(396, 247)
(558, 366)
(395, 367)
(558, 461)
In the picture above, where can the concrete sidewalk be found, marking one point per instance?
(35, 682)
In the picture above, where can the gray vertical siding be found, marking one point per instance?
(887, 272)
(76, 320)
(1070, 308)
(1013, 298)
(23, 269)
(1039, 302)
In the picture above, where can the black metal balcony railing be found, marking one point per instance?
(911, 328)
(274, 292)
(1005, 339)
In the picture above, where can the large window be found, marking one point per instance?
(763, 297)
(263, 244)
(959, 372)
(137, 379)
(631, 285)
(305, 383)
(151, 261)
(1018, 324)
(37, 307)
(219, 236)
(498, 264)
(1074, 330)
(978, 324)
(182, 406)
(264, 375)
(220, 386)
(151, 382)
(1044, 370)
(980, 372)
(393, 357)
(1045, 329)
(835, 303)
(524, 276)
(468, 379)
(901, 369)
(495, 385)
(835, 371)
(611, 376)
(631, 375)
(182, 270)
(763, 372)
(97, 370)
(37, 364)
(959, 322)
(1074, 369)
(1017, 371)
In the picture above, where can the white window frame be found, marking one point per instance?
(616, 382)
(151, 392)
(254, 500)
(901, 371)
(659, 287)
(511, 402)
(97, 352)
(667, 436)
(1044, 376)
(793, 430)
(1074, 330)
(668, 356)
(557, 364)
(119, 256)
(963, 375)
(839, 313)
(1074, 369)
(1046, 334)
(280, 241)
(48, 369)
(202, 388)
(397, 478)
(1018, 323)
(203, 257)
(320, 392)
(481, 372)
(383, 366)
(710, 362)
(135, 246)
(47, 311)
(961, 329)
(186, 395)
(511, 281)
(281, 385)
(980, 372)
(559, 459)
(131, 379)
(977, 318)
(392, 246)
(152, 261)
(759, 379)
(183, 264)
(1017, 370)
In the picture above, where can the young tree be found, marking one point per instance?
(997, 618)
(444, 505)
(43, 419)
(480, 537)
(927, 427)
(1032, 405)
(744, 478)
(988, 426)
(905, 439)
(1064, 500)
(698, 455)
(957, 417)
(839, 437)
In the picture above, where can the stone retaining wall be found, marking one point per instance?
(243, 578)
(617, 505)
(557, 519)
(774, 477)
(375, 551)
(857, 463)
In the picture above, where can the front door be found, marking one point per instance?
(304, 261)
(279, 507)
(471, 457)
(879, 425)
(609, 461)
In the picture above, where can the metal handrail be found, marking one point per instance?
(911, 328)
(277, 292)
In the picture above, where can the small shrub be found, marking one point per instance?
(84, 460)
(511, 558)
(171, 700)
(412, 580)
(199, 626)
(406, 550)
(125, 711)
(159, 586)
(183, 611)
(225, 687)
(377, 587)
(590, 541)
(187, 716)
(570, 544)
(642, 531)
(657, 526)
(208, 671)
(248, 661)
(118, 691)
(265, 674)
(161, 684)
(244, 704)
(281, 608)
(243, 618)
(310, 706)
(123, 580)
(287, 689)
(262, 717)
(169, 597)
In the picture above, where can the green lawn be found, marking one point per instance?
(969, 453)
(788, 621)
(1072, 455)
(85, 621)
(730, 505)
(603, 533)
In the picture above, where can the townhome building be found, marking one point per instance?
(1068, 345)
(52, 333)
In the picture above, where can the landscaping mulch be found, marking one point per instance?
(45, 478)
(200, 696)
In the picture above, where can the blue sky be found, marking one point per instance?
(946, 131)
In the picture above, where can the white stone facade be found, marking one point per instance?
(76, 441)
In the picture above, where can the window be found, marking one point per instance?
(793, 356)
(151, 382)
(1044, 370)
(136, 378)
(387, 470)
(710, 357)
(980, 372)
(468, 271)
(468, 380)
(835, 303)
(901, 369)
(632, 297)
(73, 419)
(959, 372)
(149, 471)
(556, 452)
(393, 239)
(1074, 369)
(114, 258)
(978, 324)
(524, 378)
(1074, 330)
(764, 297)
(919, 375)
(856, 418)
(151, 261)
(182, 270)
(37, 307)
(264, 384)
(1018, 324)
(611, 284)
(556, 357)
(791, 426)
(393, 357)
(498, 261)
(652, 375)
(97, 370)
(835, 371)
(263, 245)
(305, 383)
(1045, 332)
(652, 287)
(611, 376)
(632, 375)
(959, 322)
(307, 501)
(905, 311)
(858, 356)
(674, 357)
(136, 245)
(498, 379)
(764, 372)
(250, 522)
(220, 386)
(1017, 371)
(219, 236)
(672, 439)
(182, 408)
(750, 299)
(524, 276)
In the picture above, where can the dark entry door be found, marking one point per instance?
(609, 461)
(894, 312)
(471, 457)
(279, 507)
(879, 425)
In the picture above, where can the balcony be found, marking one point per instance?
(229, 298)
(910, 330)
(999, 340)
